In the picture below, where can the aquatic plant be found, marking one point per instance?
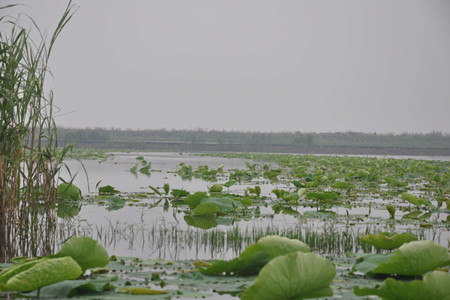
(29, 155)
(68, 191)
(296, 275)
(76, 255)
(255, 256)
(435, 285)
(411, 259)
(387, 240)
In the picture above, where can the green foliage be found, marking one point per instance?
(216, 188)
(72, 288)
(194, 199)
(411, 259)
(255, 256)
(44, 273)
(166, 188)
(206, 209)
(68, 191)
(85, 251)
(342, 185)
(15, 269)
(410, 198)
(107, 190)
(224, 204)
(321, 195)
(391, 210)
(435, 285)
(386, 240)
(295, 275)
(177, 193)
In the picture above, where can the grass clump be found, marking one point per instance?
(29, 159)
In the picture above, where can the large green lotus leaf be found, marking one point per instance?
(410, 198)
(206, 210)
(44, 273)
(435, 285)
(389, 241)
(203, 222)
(414, 259)
(68, 191)
(369, 262)
(295, 275)
(225, 204)
(85, 251)
(249, 265)
(70, 288)
(194, 199)
(256, 256)
(275, 246)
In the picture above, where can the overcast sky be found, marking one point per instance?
(324, 66)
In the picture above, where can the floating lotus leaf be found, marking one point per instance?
(216, 188)
(410, 198)
(85, 251)
(68, 191)
(411, 259)
(225, 204)
(386, 240)
(255, 256)
(194, 199)
(295, 275)
(435, 285)
(44, 273)
(275, 246)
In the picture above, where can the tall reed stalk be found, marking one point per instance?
(29, 159)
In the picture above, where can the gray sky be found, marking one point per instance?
(326, 66)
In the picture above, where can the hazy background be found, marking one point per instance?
(370, 66)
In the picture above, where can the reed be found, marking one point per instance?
(29, 160)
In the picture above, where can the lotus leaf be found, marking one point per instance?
(216, 188)
(44, 273)
(414, 259)
(410, 198)
(71, 288)
(435, 285)
(295, 275)
(389, 241)
(206, 209)
(321, 196)
(275, 246)
(68, 191)
(225, 204)
(85, 251)
(367, 263)
(203, 222)
(194, 199)
(179, 193)
(411, 259)
(15, 269)
(255, 256)
(140, 291)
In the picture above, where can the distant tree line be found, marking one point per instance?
(433, 140)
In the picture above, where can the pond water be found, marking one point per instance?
(143, 227)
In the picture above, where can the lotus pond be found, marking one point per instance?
(249, 226)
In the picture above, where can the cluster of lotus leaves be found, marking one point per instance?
(76, 256)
